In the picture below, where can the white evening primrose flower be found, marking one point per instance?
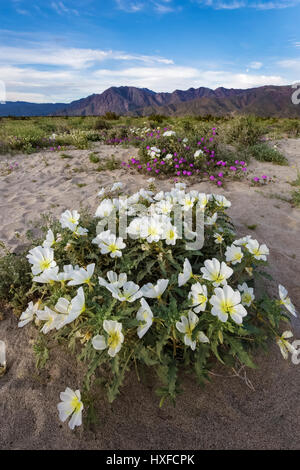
(41, 259)
(284, 345)
(151, 229)
(49, 276)
(198, 294)
(145, 317)
(82, 276)
(69, 219)
(186, 326)
(198, 153)
(202, 337)
(203, 199)
(128, 293)
(116, 186)
(247, 294)
(50, 239)
(221, 201)
(80, 231)
(169, 133)
(170, 235)
(67, 273)
(77, 304)
(234, 254)
(134, 228)
(70, 405)
(242, 241)
(164, 206)
(105, 208)
(114, 340)
(215, 272)
(259, 252)
(28, 316)
(159, 196)
(184, 277)
(285, 300)
(187, 202)
(211, 220)
(51, 319)
(109, 243)
(114, 279)
(151, 180)
(218, 238)
(101, 192)
(180, 186)
(227, 302)
(152, 292)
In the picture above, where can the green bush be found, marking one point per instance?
(265, 153)
(245, 131)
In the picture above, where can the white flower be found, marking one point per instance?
(285, 300)
(170, 235)
(164, 206)
(29, 314)
(115, 338)
(129, 292)
(180, 186)
(151, 180)
(105, 208)
(134, 228)
(151, 229)
(203, 199)
(69, 219)
(114, 279)
(184, 277)
(284, 345)
(144, 194)
(117, 186)
(221, 201)
(49, 276)
(186, 326)
(169, 133)
(51, 318)
(50, 239)
(215, 272)
(247, 294)
(233, 254)
(226, 302)
(67, 273)
(159, 196)
(198, 153)
(41, 258)
(187, 202)
(145, 317)
(259, 252)
(82, 276)
(218, 238)
(198, 294)
(71, 404)
(202, 337)
(242, 241)
(80, 231)
(152, 292)
(169, 156)
(2, 357)
(70, 310)
(109, 243)
(211, 220)
(101, 192)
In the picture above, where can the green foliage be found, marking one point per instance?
(245, 131)
(265, 153)
(93, 157)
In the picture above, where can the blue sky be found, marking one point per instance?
(58, 51)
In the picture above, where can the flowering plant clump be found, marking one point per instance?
(150, 296)
(164, 152)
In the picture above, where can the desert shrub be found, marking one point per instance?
(94, 158)
(149, 301)
(111, 116)
(295, 198)
(265, 153)
(244, 131)
(292, 127)
(157, 118)
(101, 124)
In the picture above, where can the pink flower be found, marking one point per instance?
(220, 175)
(212, 178)
(219, 183)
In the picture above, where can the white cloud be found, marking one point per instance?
(258, 5)
(291, 64)
(62, 9)
(255, 65)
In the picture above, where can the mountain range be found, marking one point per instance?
(265, 101)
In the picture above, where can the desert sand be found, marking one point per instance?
(226, 414)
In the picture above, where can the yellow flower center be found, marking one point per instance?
(227, 307)
(45, 264)
(114, 339)
(202, 299)
(113, 247)
(247, 298)
(76, 404)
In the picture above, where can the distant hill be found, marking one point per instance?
(21, 108)
(266, 101)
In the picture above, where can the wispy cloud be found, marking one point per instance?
(237, 4)
(62, 9)
(255, 65)
(160, 7)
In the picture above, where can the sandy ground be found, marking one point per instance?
(226, 414)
